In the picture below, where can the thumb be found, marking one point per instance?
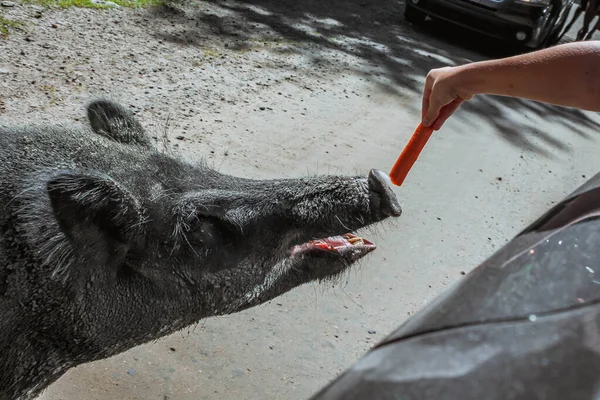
(446, 112)
(432, 111)
(437, 102)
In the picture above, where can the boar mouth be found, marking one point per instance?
(349, 246)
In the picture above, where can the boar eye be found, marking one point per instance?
(208, 231)
(204, 231)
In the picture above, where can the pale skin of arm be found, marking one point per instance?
(566, 75)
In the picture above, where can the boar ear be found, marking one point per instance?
(115, 122)
(95, 213)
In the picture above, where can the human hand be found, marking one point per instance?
(442, 96)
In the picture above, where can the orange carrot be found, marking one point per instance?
(410, 154)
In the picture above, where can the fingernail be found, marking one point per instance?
(426, 122)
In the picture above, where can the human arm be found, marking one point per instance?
(566, 75)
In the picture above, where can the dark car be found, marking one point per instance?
(531, 23)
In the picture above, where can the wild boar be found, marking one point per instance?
(107, 243)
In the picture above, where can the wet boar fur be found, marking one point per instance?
(107, 243)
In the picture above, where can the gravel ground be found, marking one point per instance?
(272, 88)
(201, 67)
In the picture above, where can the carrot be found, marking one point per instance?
(410, 154)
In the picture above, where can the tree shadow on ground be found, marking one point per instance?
(388, 47)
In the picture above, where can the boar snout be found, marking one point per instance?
(384, 202)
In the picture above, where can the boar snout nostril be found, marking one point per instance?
(383, 198)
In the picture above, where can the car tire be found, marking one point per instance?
(413, 15)
(552, 38)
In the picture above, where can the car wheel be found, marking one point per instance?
(554, 31)
(552, 39)
(413, 15)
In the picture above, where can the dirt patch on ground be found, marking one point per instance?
(195, 60)
(187, 64)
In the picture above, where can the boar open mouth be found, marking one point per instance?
(349, 246)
